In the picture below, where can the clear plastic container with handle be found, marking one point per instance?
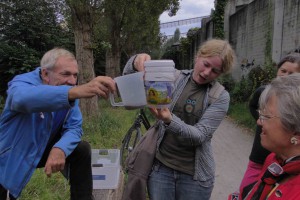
(159, 82)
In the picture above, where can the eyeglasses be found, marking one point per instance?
(263, 117)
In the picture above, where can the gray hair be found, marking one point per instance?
(50, 57)
(287, 91)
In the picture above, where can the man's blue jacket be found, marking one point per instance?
(27, 121)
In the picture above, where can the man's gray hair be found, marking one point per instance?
(50, 57)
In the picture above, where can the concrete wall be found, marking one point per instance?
(290, 26)
(256, 29)
(259, 28)
(249, 29)
(277, 30)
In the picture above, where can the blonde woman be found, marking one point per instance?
(184, 167)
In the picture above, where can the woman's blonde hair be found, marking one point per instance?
(221, 48)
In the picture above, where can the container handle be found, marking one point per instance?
(112, 100)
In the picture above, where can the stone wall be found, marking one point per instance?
(261, 28)
(291, 26)
(249, 31)
(259, 31)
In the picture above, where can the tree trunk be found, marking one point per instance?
(113, 55)
(82, 23)
(112, 66)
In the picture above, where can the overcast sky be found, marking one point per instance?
(188, 9)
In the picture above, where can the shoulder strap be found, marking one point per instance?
(215, 92)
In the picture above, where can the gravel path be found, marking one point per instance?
(231, 147)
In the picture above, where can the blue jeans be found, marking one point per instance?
(166, 183)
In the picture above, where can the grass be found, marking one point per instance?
(106, 131)
(42, 188)
(240, 113)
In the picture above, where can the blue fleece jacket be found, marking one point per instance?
(26, 124)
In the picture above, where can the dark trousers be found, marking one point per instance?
(3, 194)
(78, 170)
(81, 181)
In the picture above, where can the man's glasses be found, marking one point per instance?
(263, 117)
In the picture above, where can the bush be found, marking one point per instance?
(227, 81)
(257, 76)
(239, 91)
(242, 91)
(260, 76)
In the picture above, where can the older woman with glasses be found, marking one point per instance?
(279, 117)
(289, 64)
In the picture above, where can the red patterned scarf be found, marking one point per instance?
(275, 172)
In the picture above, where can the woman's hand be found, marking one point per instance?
(163, 114)
(140, 60)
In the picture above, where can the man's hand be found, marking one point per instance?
(100, 86)
(55, 162)
(139, 61)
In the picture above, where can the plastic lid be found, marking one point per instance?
(159, 69)
(159, 76)
(159, 63)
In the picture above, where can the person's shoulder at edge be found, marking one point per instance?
(32, 77)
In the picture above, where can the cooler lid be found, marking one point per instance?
(159, 63)
(159, 69)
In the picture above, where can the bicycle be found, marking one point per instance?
(133, 136)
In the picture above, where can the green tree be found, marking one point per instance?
(170, 41)
(133, 26)
(218, 18)
(28, 28)
(170, 49)
(176, 35)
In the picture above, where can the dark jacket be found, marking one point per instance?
(258, 153)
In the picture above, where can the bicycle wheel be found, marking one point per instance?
(129, 142)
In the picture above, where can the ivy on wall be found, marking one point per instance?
(269, 64)
(218, 18)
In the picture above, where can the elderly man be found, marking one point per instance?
(41, 125)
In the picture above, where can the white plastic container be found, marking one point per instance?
(159, 82)
(105, 168)
(132, 91)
